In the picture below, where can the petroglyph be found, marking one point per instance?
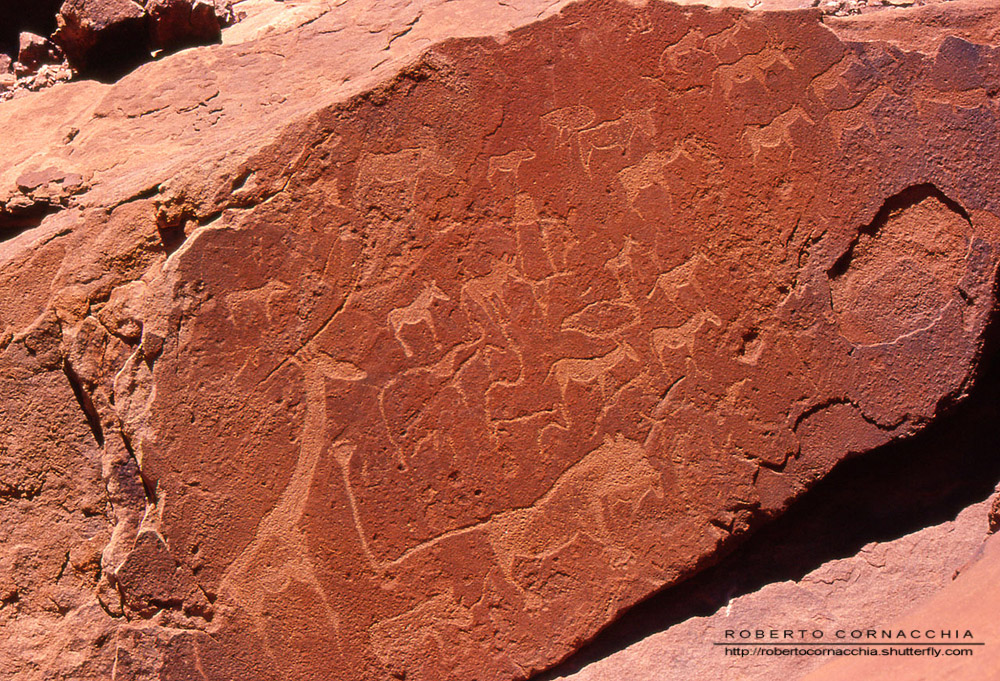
(278, 541)
(337, 370)
(591, 370)
(568, 120)
(754, 70)
(617, 134)
(603, 318)
(618, 469)
(492, 396)
(673, 171)
(508, 163)
(683, 336)
(343, 452)
(524, 209)
(247, 304)
(688, 66)
(402, 167)
(777, 132)
(417, 312)
(684, 276)
(397, 638)
(651, 170)
(846, 85)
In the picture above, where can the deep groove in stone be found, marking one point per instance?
(171, 237)
(147, 487)
(86, 404)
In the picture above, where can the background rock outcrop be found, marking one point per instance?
(113, 36)
(422, 341)
(45, 42)
(33, 16)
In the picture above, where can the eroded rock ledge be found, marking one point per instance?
(431, 356)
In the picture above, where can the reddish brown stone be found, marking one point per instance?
(428, 367)
(994, 516)
(34, 50)
(113, 36)
(101, 32)
(182, 23)
(871, 590)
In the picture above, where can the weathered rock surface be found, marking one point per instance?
(780, 580)
(871, 590)
(368, 364)
(969, 603)
(34, 16)
(34, 50)
(181, 23)
(108, 32)
(869, 543)
(105, 38)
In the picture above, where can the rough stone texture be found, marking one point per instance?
(101, 31)
(115, 35)
(970, 602)
(870, 590)
(353, 362)
(99, 38)
(871, 541)
(34, 16)
(181, 23)
(46, 76)
(34, 50)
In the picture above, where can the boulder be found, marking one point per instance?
(421, 341)
(838, 602)
(18, 16)
(967, 605)
(34, 50)
(99, 35)
(182, 23)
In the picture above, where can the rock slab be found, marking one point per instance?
(344, 384)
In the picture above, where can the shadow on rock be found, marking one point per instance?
(877, 497)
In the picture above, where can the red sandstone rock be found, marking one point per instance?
(365, 364)
(90, 30)
(34, 50)
(115, 35)
(871, 590)
(17, 16)
(180, 23)
(994, 516)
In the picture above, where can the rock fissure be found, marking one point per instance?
(85, 403)
(20, 220)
